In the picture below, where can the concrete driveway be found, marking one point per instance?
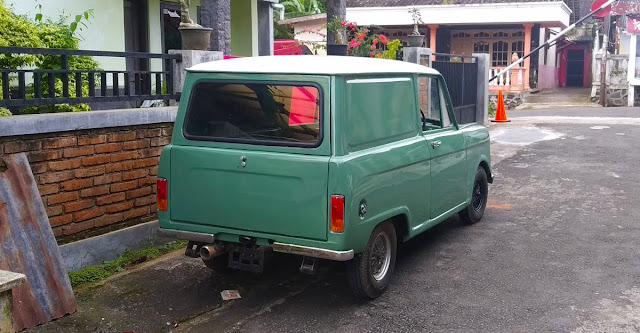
(556, 251)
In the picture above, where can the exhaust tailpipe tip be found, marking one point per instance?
(208, 252)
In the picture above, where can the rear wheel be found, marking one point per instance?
(370, 272)
(480, 191)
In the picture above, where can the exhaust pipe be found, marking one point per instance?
(208, 252)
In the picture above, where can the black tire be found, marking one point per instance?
(479, 193)
(370, 272)
(218, 264)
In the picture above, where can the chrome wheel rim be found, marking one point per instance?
(380, 256)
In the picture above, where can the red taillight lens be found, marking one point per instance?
(162, 194)
(337, 213)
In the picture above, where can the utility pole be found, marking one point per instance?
(603, 64)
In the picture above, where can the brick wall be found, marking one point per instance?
(93, 181)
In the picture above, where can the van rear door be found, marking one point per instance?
(254, 157)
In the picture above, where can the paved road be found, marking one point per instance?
(556, 251)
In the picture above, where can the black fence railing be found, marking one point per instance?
(461, 75)
(37, 87)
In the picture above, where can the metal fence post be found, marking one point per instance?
(482, 96)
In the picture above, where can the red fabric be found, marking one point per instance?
(303, 106)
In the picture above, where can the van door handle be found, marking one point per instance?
(436, 144)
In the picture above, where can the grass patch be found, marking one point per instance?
(127, 259)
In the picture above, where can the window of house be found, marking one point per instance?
(518, 47)
(481, 47)
(500, 34)
(481, 35)
(500, 54)
(254, 113)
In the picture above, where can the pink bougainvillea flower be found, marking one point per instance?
(362, 35)
(353, 43)
(343, 23)
(384, 39)
(371, 55)
(373, 47)
(375, 41)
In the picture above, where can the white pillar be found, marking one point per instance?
(631, 70)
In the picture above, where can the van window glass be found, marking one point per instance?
(255, 113)
(446, 120)
(433, 111)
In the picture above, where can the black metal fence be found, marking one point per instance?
(37, 87)
(461, 75)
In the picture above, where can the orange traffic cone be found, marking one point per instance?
(501, 114)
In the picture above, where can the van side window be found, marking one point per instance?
(433, 108)
(254, 113)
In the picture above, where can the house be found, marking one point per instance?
(310, 30)
(500, 28)
(152, 25)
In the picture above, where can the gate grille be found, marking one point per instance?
(461, 75)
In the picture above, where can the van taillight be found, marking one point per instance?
(337, 213)
(162, 194)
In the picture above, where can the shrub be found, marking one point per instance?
(45, 33)
(4, 112)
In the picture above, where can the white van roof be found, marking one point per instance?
(309, 64)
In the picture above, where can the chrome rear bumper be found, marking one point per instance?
(313, 252)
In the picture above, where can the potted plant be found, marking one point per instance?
(337, 27)
(415, 38)
(194, 36)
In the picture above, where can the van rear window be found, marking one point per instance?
(254, 113)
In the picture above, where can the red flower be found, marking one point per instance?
(362, 35)
(375, 41)
(384, 39)
(343, 23)
(371, 55)
(373, 47)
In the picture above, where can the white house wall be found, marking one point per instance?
(548, 72)
(555, 14)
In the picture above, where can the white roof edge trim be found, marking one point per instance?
(502, 4)
(308, 64)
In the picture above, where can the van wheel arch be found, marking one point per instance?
(487, 170)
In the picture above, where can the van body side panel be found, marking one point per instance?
(478, 150)
(386, 162)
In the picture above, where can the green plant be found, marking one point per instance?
(337, 28)
(297, 8)
(492, 109)
(127, 259)
(392, 49)
(4, 112)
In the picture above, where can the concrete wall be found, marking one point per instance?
(96, 171)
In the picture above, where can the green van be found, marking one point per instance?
(337, 158)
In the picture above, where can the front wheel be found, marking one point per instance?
(369, 273)
(474, 211)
